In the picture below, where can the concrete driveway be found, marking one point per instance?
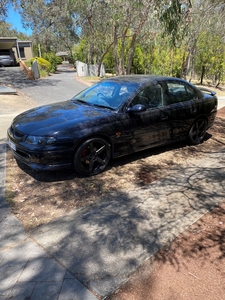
(55, 88)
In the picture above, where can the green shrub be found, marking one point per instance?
(47, 64)
(43, 73)
(53, 59)
(71, 59)
(42, 63)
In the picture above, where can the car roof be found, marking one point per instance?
(142, 79)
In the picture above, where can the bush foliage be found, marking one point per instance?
(47, 64)
(53, 60)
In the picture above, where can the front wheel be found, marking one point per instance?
(197, 131)
(92, 156)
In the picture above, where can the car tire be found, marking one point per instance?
(92, 156)
(197, 131)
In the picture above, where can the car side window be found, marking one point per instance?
(180, 92)
(150, 97)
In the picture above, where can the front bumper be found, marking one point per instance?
(6, 63)
(42, 160)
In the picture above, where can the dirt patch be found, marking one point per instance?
(16, 103)
(39, 197)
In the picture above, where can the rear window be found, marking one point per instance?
(4, 52)
(180, 92)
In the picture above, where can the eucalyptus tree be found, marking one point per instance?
(185, 21)
(4, 5)
(104, 24)
(207, 22)
(113, 24)
(5, 30)
(94, 20)
(210, 58)
(4, 26)
(175, 16)
(121, 26)
(50, 21)
(138, 20)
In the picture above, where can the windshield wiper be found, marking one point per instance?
(80, 101)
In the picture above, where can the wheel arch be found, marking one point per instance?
(88, 160)
(190, 136)
(203, 116)
(90, 136)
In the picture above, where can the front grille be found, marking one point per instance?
(23, 154)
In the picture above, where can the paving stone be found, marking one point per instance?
(5, 290)
(73, 290)
(22, 290)
(42, 269)
(46, 291)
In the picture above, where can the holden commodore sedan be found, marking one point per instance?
(112, 118)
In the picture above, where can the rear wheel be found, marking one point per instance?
(92, 156)
(197, 131)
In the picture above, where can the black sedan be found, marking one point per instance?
(114, 117)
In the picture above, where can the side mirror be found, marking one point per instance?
(136, 108)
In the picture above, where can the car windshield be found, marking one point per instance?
(111, 95)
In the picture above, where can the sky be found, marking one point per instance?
(15, 19)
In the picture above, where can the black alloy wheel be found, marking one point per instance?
(92, 156)
(197, 131)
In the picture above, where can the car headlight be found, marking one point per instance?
(40, 140)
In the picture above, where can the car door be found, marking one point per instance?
(148, 126)
(183, 107)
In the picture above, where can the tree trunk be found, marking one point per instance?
(217, 85)
(123, 52)
(190, 58)
(184, 66)
(171, 63)
(116, 56)
(91, 54)
(203, 74)
(143, 19)
(102, 57)
(39, 50)
(131, 53)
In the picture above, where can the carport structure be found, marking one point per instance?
(21, 50)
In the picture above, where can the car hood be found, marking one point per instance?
(57, 117)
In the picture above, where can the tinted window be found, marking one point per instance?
(151, 96)
(180, 92)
